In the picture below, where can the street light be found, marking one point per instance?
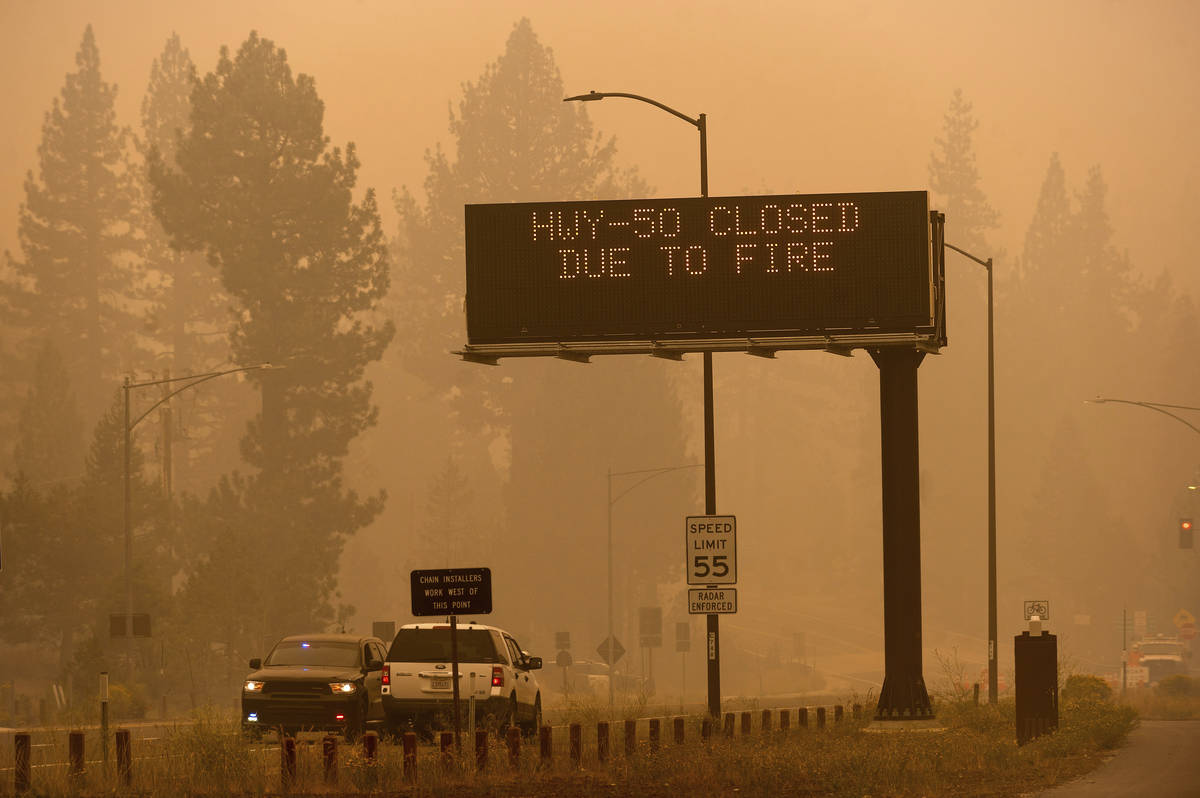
(192, 381)
(710, 475)
(991, 367)
(1157, 407)
(650, 473)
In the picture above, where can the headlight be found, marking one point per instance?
(342, 688)
(252, 686)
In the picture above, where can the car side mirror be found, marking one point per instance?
(533, 663)
(255, 664)
(374, 665)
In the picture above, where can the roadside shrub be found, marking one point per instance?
(1080, 688)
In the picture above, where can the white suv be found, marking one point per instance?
(417, 674)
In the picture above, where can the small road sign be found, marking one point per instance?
(452, 591)
(650, 627)
(712, 601)
(611, 650)
(711, 542)
(683, 636)
(1187, 631)
(1038, 607)
(117, 624)
(1183, 617)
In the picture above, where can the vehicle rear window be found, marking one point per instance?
(433, 645)
(320, 653)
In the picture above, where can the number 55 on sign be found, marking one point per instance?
(711, 549)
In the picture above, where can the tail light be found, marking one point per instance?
(497, 676)
(386, 678)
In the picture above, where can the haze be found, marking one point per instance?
(800, 98)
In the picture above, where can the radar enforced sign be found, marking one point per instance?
(712, 601)
(452, 591)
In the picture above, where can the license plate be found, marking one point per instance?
(441, 683)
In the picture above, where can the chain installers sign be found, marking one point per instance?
(452, 591)
(701, 267)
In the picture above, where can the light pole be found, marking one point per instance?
(710, 476)
(192, 381)
(650, 473)
(991, 369)
(1159, 407)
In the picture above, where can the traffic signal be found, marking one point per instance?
(1185, 533)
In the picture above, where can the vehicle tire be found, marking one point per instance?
(530, 728)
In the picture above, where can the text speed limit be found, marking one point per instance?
(711, 549)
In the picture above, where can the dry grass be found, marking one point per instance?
(1175, 698)
(974, 756)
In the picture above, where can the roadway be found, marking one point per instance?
(1160, 759)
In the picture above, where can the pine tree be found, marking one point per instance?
(260, 192)
(515, 140)
(49, 447)
(954, 178)
(66, 546)
(77, 242)
(447, 537)
(189, 318)
(553, 428)
(1046, 251)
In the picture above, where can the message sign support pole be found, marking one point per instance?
(903, 695)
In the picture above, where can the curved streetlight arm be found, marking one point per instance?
(600, 95)
(987, 264)
(196, 379)
(651, 474)
(1156, 406)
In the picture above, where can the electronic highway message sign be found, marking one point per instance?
(700, 268)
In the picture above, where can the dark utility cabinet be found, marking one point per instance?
(1037, 684)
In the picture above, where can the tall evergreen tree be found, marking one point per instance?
(69, 547)
(258, 190)
(449, 533)
(1086, 316)
(959, 382)
(514, 140)
(49, 447)
(954, 178)
(190, 314)
(77, 240)
(551, 429)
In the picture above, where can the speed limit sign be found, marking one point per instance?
(711, 549)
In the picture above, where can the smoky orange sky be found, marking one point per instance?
(800, 96)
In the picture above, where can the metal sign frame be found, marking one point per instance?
(888, 292)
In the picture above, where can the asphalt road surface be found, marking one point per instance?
(1160, 759)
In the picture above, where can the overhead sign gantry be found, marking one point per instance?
(755, 274)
